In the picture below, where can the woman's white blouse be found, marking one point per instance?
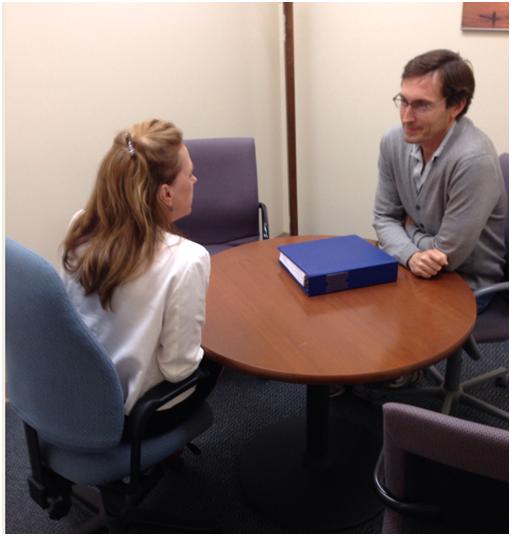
(153, 332)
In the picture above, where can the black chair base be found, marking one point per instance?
(450, 389)
(461, 396)
(138, 521)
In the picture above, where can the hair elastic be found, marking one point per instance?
(131, 147)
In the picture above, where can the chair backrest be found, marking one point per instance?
(59, 379)
(225, 204)
(493, 323)
(504, 165)
(459, 465)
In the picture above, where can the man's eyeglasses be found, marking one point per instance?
(418, 106)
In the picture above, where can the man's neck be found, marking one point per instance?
(428, 149)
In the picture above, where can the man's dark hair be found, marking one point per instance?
(458, 81)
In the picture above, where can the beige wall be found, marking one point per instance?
(77, 73)
(349, 59)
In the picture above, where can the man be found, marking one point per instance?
(441, 202)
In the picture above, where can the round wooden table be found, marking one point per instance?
(307, 473)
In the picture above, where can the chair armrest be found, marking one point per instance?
(153, 399)
(417, 509)
(435, 436)
(158, 396)
(492, 289)
(265, 228)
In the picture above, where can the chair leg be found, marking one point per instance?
(455, 391)
(433, 371)
(451, 390)
(150, 521)
(477, 402)
(90, 499)
(484, 406)
(485, 377)
(449, 385)
(503, 381)
(140, 520)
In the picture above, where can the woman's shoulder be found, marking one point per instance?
(178, 256)
(182, 250)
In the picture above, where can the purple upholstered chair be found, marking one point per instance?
(492, 325)
(226, 206)
(442, 473)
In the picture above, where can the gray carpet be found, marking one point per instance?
(208, 486)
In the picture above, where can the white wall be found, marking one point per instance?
(76, 74)
(349, 59)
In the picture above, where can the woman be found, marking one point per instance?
(138, 286)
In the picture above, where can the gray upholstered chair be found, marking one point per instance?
(226, 208)
(442, 474)
(64, 388)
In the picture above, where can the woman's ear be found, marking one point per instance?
(166, 194)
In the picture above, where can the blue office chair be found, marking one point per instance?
(226, 208)
(64, 388)
(442, 474)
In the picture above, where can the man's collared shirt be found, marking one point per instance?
(420, 172)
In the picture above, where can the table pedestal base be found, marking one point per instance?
(326, 493)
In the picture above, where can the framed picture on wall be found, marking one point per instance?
(485, 16)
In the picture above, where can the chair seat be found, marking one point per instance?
(114, 464)
(493, 325)
(217, 248)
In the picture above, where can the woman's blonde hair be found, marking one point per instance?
(123, 222)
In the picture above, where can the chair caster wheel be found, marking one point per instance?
(175, 464)
(502, 381)
(58, 507)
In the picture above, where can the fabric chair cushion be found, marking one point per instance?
(114, 464)
(493, 323)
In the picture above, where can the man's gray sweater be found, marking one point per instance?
(460, 209)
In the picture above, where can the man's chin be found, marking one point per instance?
(411, 136)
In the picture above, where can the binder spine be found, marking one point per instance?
(334, 282)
